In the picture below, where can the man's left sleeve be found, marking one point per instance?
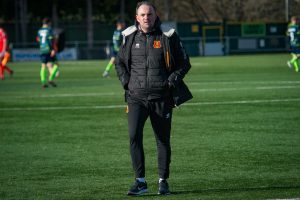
(182, 63)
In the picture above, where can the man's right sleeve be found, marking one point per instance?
(121, 69)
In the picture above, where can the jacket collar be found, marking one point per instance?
(167, 30)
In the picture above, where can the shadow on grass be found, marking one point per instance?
(233, 190)
(218, 190)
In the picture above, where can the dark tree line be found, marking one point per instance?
(231, 10)
(21, 13)
(107, 11)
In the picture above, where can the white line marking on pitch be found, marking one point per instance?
(277, 87)
(243, 102)
(236, 89)
(77, 95)
(63, 108)
(123, 106)
(193, 90)
(244, 82)
(67, 95)
(285, 199)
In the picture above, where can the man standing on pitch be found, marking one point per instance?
(151, 65)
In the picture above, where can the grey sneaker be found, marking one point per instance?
(105, 74)
(138, 188)
(163, 188)
(289, 64)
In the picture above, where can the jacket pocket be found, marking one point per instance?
(181, 94)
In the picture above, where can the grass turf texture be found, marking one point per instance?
(237, 139)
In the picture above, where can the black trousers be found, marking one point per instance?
(160, 113)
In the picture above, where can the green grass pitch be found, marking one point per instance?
(238, 138)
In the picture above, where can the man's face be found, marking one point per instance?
(120, 26)
(146, 17)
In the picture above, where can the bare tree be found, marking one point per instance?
(54, 14)
(17, 20)
(122, 10)
(167, 7)
(22, 4)
(264, 10)
(294, 8)
(232, 10)
(90, 29)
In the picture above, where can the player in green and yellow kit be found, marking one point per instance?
(117, 40)
(294, 34)
(47, 53)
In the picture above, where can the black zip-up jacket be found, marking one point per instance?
(144, 78)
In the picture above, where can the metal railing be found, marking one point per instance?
(195, 46)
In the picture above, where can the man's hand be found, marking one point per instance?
(126, 87)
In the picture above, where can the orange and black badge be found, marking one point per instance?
(156, 44)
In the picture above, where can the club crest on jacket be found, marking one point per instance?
(156, 44)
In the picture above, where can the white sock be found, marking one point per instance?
(141, 180)
(161, 179)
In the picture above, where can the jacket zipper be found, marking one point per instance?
(147, 63)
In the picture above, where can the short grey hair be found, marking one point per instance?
(139, 4)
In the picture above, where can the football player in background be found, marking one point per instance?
(4, 55)
(117, 40)
(45, 38)
(294, 34)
